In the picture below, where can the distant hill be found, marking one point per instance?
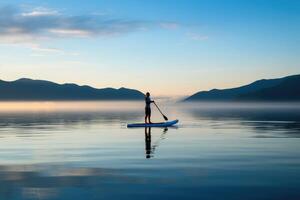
(280, 89)
(28, 89)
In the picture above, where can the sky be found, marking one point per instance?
(167, 47)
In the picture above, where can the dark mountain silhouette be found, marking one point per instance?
(28, 89)
(280, 89)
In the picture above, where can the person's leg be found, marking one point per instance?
(146, 115)
(149, 116)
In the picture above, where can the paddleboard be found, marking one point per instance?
(160, 124)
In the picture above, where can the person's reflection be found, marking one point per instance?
(149, 149)
(148, 142)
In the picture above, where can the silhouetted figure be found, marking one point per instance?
(148, 101)
(148, 148)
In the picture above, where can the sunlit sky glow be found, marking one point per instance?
(164, 46)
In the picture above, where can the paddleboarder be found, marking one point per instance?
(148, 101)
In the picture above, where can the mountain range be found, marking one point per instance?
(28, 89)
(279, 89)
(24, 89)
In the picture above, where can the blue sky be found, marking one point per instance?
(166, 47)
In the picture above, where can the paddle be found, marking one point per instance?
(161, 112)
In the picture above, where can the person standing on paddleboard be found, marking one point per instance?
(148, 101)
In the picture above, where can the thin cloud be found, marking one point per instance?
(40, 11)
(48, 50)
(18, 26)
(70, 32)
(197, 37)
(30, 26)
(38, 48)
(169, 25)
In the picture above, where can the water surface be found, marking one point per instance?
(84, 151)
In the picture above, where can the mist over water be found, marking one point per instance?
(83, 150)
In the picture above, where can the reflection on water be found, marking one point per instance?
(150, 149)
(148, 146)
(265, 119)
(217, 152)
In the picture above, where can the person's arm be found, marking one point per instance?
(148, 100)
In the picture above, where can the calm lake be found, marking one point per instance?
(83, 150)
